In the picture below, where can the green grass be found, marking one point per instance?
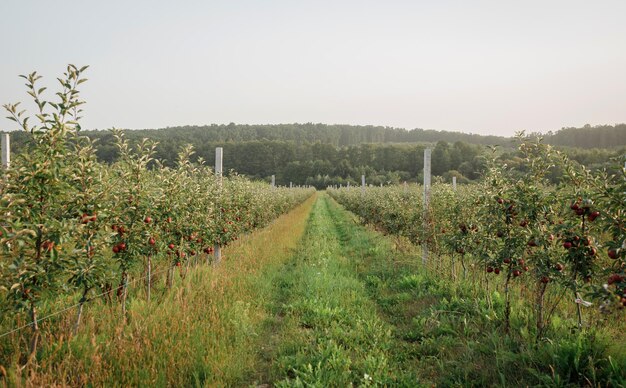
(328, 331)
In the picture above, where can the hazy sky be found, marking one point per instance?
(475, 66)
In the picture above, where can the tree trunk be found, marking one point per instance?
(540, 307)
(83, 299)
(34, 341)
(124, 294)
(149, 279)
(507, 303)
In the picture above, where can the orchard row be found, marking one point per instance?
(71, 225)
(517, 226)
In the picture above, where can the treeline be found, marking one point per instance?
(337, 135)
(315, 158)
(600, 136)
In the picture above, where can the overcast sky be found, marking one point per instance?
(474, 66)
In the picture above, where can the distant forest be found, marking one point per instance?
(322, 155)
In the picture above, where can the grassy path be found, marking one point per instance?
(327, 330)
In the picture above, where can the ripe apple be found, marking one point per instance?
(567, 245)
(147, 220)
(496, 271)
(507, 260)
(545, 280)
(171, 246)
(47, 245)
(559, 267)
(517, 273)
(612, 253)
(500, 201)
(592, 216)
(615, 278)
(489, 269)
(122, 246)
(151, 241)
(116, 249)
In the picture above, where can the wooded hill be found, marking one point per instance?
(321, 155)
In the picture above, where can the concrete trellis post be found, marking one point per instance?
(6, 151)
(218, 174)
(426, 202)
(362, 184)
(454, 183)
(291, 185)
(273, 181)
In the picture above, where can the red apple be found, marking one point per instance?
(615, 278)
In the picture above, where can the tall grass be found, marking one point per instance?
(198, 334)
